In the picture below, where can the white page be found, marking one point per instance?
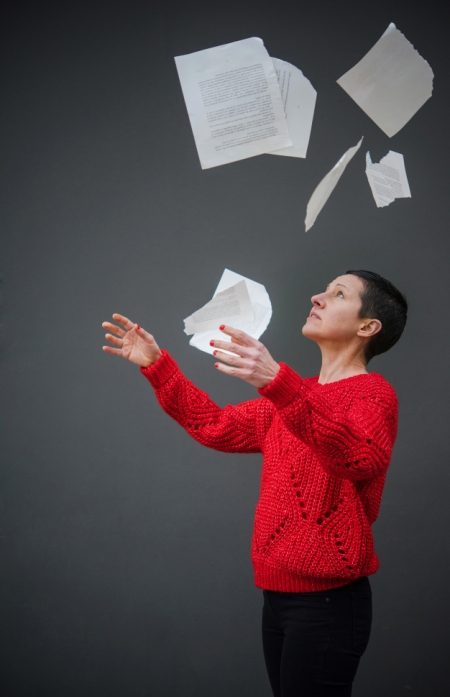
(387, 179)
(262, 308)
(322, 192)
(233, 101)
(391, 82)
(299, 100)
(228, 306)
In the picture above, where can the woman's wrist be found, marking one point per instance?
(151, 361)
(274, 370)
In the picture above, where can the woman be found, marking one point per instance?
(327, 442)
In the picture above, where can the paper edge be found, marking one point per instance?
(279, 152)
(357, 146)
(390, 133)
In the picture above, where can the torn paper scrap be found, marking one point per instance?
(230, 305)
(322, 192)
(262, 308)
(299, 100)
(387, 179)
(391, 82)
(233, 101)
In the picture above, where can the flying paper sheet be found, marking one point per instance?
(391, 82)
(299, 100)
(229, 306)
(322, 192)
(262, 308)
(387, 179)
(233, 101)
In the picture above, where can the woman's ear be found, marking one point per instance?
(369, 328)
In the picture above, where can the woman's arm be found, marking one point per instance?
(354, 442)
(232, 429)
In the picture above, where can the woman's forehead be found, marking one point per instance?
(349, 281)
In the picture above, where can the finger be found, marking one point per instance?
(236, 361)
(231, 346)
(115, 352)
(231, 370)
(113, 328)
(124, 321)
(239, 336)
(143, 334)
(114, 340)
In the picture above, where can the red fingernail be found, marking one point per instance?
(211, 343)
(214, 352)
(137, 326)
(216, 365)
(222, 326)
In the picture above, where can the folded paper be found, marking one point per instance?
(387, 179)
(228, 306)
(262, 311)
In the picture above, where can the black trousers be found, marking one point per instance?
(313, 642)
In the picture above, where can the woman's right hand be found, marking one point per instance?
(131, 342)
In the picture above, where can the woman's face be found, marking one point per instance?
(335, 313)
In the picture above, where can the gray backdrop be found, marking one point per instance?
(125, 545)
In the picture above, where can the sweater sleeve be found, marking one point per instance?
(234, 429)
(352, 436)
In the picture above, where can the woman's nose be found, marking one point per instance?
(317, 299)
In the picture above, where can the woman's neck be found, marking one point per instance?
(338, 364)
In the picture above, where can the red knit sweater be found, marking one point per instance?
(326, 450)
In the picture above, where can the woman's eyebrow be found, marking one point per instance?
(338, 284)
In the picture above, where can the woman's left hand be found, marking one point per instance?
(250, 360)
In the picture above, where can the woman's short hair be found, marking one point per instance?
(381, 300)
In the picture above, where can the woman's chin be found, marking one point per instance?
(309, 331)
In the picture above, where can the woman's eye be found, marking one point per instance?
(340, 293)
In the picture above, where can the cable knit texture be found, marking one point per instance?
(326, 449)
